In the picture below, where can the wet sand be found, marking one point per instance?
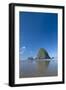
(28, 68)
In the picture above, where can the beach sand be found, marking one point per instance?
(28, 68)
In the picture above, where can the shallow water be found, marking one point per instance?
(28, 68)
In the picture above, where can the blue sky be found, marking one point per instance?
(37, 30)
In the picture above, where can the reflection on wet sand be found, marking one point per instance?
(38, 68)
(42, 66)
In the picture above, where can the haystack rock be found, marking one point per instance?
(42, 54)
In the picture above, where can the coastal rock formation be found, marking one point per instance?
(42, 54)
(30, 58)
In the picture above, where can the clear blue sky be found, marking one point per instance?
(38, 30)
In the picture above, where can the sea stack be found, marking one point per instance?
(42, 54)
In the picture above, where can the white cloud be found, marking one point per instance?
(22, 50)
(23, 47)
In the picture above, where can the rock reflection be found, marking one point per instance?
(42, 66)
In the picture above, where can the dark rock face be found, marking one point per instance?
(30, 58)
(43, 54)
